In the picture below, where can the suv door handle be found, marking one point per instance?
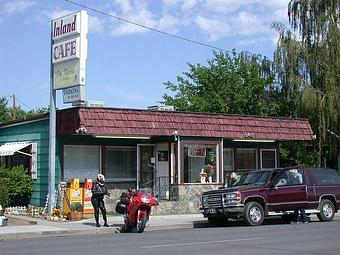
(302, 189)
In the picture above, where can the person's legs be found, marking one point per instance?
(296, 216)
(303, 215)
(103, 210)
(95, 205)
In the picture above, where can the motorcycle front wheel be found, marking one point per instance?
(140, 226)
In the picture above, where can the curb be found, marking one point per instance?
(59, 233)
(80, 232)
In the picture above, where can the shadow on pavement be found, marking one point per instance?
(237, 223)
(19, 221)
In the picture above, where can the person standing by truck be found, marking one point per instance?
(299, 214)
(97, 199)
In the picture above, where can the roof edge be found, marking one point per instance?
(186, 112)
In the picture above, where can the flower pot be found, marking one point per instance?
(211, 170)
(75, 216)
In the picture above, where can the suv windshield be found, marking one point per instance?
(254, 178)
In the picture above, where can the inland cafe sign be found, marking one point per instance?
(69, 50)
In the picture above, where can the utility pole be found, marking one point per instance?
(14, 108)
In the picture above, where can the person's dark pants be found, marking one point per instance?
(99, 204)
(302, 217)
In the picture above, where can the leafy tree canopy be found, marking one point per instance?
(229, 83)
(308, 66)
(6, 113)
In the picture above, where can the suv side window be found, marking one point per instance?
(281, 179)
(326, 176)
(288, 177)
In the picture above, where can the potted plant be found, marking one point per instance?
(76, 212)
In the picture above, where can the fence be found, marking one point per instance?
(164, 187)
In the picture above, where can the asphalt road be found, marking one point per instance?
(274, 238)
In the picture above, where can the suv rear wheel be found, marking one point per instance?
(327, 210)
(253, 214)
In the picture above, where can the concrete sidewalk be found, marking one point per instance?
(44, 228)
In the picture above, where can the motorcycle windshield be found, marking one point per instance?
(145, 191)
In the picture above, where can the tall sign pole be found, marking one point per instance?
(51, 158)
(67, 72)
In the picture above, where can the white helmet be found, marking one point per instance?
(101, 177)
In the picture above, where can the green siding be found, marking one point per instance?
(36, 132)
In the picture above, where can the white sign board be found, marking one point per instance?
(69, 50)
(68, 74)
(74, 94)
(66, 26)
(65, 50)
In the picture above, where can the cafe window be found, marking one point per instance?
(81, 162)
(200, 163)
(268, 158)
(227, 159)
(121, 163)
(246, 159)
(227, 164)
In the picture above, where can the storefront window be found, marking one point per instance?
(199, 163)
(81, 162)
(227, 163)
(121, 163)
(246, 159)
(268, 159)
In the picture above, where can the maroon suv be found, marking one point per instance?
(262, 193)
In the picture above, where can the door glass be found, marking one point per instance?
(147, 166)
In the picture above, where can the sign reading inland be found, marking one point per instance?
(66, 26)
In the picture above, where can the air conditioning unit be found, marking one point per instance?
(94, 103)
(168, 108)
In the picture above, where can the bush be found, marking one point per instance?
(76, 207)
(15, 186)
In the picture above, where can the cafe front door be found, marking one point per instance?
(146, 166)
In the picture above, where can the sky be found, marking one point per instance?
(128, 65)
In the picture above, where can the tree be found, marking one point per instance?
(308, 67)
(230, 83)
(22, 114)
(6, 113)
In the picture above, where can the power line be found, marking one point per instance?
(149, 28)
(16, 98)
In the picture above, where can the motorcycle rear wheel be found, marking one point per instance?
(126, 228)
(140, 226)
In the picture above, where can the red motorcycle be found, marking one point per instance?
(136, 207)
